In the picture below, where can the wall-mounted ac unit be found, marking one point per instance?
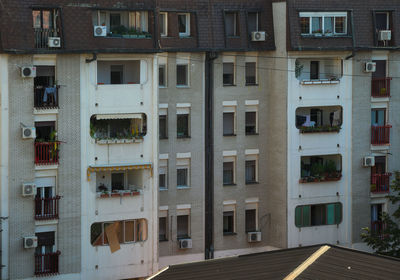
(368, 161)
(370, 67)
(254, 236)
(54, 42)
(100, 31)
(30, 242)
(28, 132)
(28, 71)
(258, 36)
(385, 35)
(28, 189)
(185, 243)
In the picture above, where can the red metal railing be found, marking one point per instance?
(46, 97)
(380, 87)
(380, 135)
(47, 152)
(380, 182)
(46, 208)
(46, 264)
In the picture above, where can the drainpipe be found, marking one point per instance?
(353, 53)
(209, 156)
(88, 60)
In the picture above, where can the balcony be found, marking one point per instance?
(42, 37)
(318, 71)
(319, 119)
(46, 97)
(323, 168)
(380, 87)
(380, 183)
(46, 264)
(380, 135)
(46, 208)
(47, 153)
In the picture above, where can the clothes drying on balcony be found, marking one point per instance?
(308, 122)
(50, 92)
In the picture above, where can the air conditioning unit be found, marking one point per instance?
(28, 189)
(28, 71)
(385, 35)
(28, 132)
(100, 31)
(368, 161)
(254, 236)
(30, 242)
(54, 42)
(258, 36)
(370, 67)
(185, 243)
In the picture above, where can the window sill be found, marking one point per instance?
(252, 183)
(163, 189)
(325, 36)
(183, 187)
(229, 134)
(251, 85)
(229, 233)
(249, 134)
(228, 85)
(183, 137)
(184, 36)
(182, 86)
(162, 86)
(228, 185)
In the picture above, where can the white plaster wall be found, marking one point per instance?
(134, 259)
(319, 144)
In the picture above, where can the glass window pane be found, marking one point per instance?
(228, 173)
(182, 176)
(338, 213)
(162, 225)
(305, 25)
(250, 171)
(250, 73)
(228, 73)
(228, 223)
(328, 25)
(183, 125)
(117, 181)
(161, 181)
(316, 26)
(228, 123)
(181, 75)
(251, 224)
(182, 226)
(182, 24)
(37, 23)
(340, 23)
(163, 127)
(230, 24)
(251, 127)
(47, 19)
(253, 21)
(162, 19)
(161, 76)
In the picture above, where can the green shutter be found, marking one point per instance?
(330, 214)
(306, 215)
(338, 213)
(298, 220)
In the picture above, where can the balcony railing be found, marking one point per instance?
(380, 135)
(47, 264)
(46, 97)
(46, 208)
(380, 87)
(42, 37)
(47, 152)
(380, 183)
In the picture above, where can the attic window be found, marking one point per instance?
(323, 24)
(231, 24)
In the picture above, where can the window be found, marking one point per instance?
(184, 25)
(253, 21)
(117, 74)
(115, 22)
(163, 21)
(182, 75)
(117, 181)
(183, 122)
(125, 231)
(326, 24)
(382, 21)
(162, 76)
(251, 215)
(378, 117)
(138, 21)
(251, 73)
(229, 166)
(229, 124)
(228, 74)
(231, 24)
(229, 218)
(318, 215)
(183, 223)
(163, 225)
(183, 172)
(43, 19)
(46, 242)
(251, 171)
(163, 124)
(251, 118)
(163, 174)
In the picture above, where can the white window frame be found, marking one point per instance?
(233, 159)
(163, 169)
(252, 106)
(230, 206)
(183, 161)
(187, 33)
(164, 33)
(322, 15)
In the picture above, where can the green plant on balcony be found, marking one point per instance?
(298, 68)
(322, 128)
(382, 91)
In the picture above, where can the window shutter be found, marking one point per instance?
(338, 213)
(330, 213)
(298, 220)
(306, 215)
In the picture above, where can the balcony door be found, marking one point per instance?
(380, 165)
(44, 205)
(378, 117)
(380, 69)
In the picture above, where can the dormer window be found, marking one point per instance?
(232, 24)
(323, 24)
(253, 21)
(383, 29)
(184, 25)
(45, 25)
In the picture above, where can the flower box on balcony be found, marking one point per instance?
(318, 129)
(122, 193)
(320, 82)
(326, 178)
